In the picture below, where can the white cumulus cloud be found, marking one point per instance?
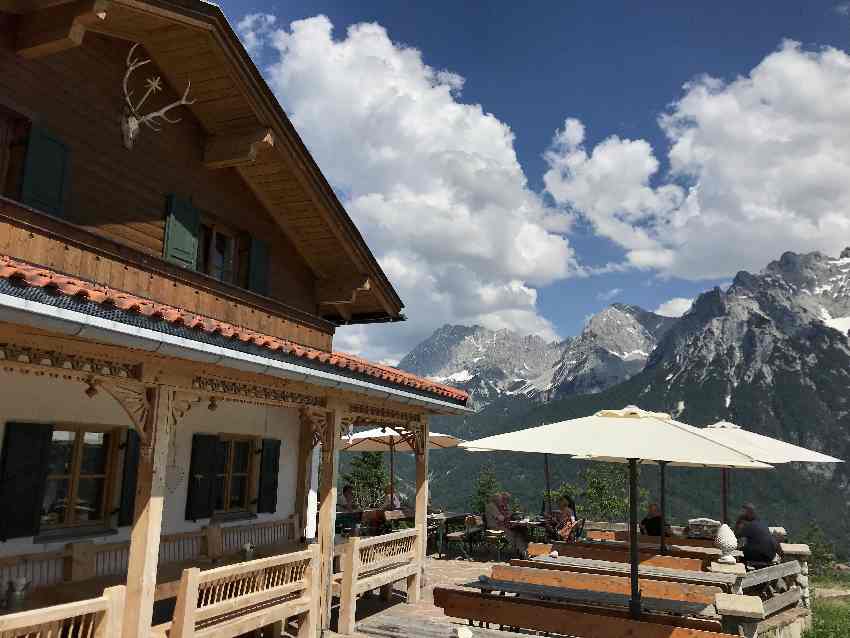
(757, 166)
(675, 307)
(432, 182)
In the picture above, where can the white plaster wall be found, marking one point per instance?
(41, 399)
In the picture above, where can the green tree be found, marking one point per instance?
(486, 484)
(602, 493)
(823, 554)
(368, 477)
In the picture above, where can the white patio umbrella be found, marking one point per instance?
(760, 447)
(630, 435)
(386, 439)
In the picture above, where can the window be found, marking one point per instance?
(233, 465)
(79, 464)
(14, 133)
(217, 252)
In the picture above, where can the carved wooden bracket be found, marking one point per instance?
(341, 293)
(135, 400)
(223, 151)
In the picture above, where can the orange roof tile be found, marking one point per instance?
(40, 277)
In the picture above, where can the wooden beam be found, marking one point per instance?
(240, 149)
(57, 28)
(327, 511)
(147, 528)
(341, 290)
(414, 582)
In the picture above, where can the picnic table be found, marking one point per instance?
(591, 598)
(730, 583)
(535, 528)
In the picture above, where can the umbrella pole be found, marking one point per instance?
(662, 468)
(548, 484)
(634, 602)
(392, 475)
(724, 495)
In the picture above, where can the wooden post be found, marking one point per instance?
(81, 564)
(212, 539)
(304, 472)
(183, 625)
(110, 624)
(348, 594)
(308, 624)
(150, 497)
(414, 582)
(327, 511)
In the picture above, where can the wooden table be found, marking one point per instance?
(167, 579)
(532, 526)
(730, 583)
(442, 519)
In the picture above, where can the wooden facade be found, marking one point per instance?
(168, 300)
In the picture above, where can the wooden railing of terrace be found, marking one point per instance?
(84, 560)
(95, 618)
(375, 562)
(236, 599)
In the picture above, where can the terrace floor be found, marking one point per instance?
(396, 619)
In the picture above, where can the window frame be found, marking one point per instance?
(249, 474)
(108, 476)
(205, 249)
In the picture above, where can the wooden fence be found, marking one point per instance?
(235, 599)
(83, 560)
(370, 563)
(94, 618)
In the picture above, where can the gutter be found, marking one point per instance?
(77, 324)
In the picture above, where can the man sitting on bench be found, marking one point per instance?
(759, 545)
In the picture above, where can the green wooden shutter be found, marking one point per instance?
(23, 469)
(46, 171)
(258, 273)
(127, 508)
(269, 470)
(181, 232)
(200, 501)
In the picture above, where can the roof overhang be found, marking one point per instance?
(72, 323)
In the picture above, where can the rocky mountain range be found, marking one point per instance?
(614, 345)
(770, 353)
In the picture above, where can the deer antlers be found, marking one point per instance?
(132, 118)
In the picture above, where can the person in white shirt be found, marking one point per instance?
(391, 500)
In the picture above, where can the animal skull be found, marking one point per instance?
(132, 120)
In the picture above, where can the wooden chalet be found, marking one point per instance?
(173, 265)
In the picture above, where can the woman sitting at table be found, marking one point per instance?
(391, 499)
(562, 521)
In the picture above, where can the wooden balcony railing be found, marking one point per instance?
(95, 618)
(32, 236)
(369, 563)
(236, 599)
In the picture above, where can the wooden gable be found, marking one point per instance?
(244, 129)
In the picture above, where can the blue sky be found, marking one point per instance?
(666, 225)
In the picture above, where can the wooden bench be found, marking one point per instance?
(613, 554)
(236, 599)
(96, 618)
(681, 541)
(370, 563)
(730, 583)
(583, 621)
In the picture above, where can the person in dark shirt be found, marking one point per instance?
(651, 524)
(759, 544)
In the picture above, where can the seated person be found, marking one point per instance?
(562, 521)
(497, 516)
(651, 524)
(345, 502)
(391, 499)
(759, 544)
